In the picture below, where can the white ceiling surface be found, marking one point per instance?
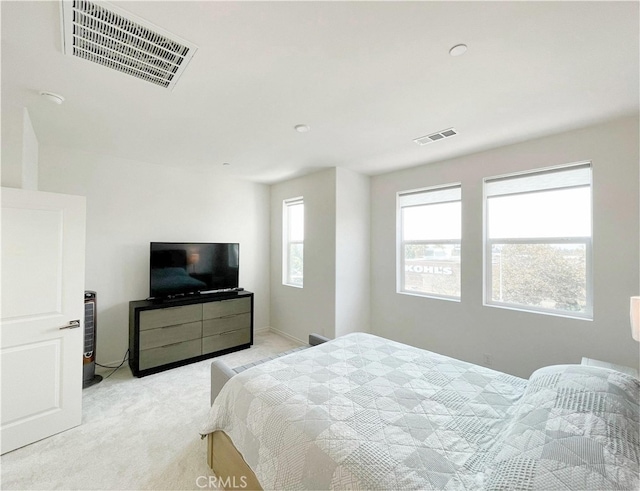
(367, 77)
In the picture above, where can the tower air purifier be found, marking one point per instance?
(89, 376)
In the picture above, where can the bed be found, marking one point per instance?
(364, 412)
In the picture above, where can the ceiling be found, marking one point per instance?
(367, 77)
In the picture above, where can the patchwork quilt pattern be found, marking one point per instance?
(363, 412)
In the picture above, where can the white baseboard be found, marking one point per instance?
(286, 335)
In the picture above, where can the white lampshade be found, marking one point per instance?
(635, 318)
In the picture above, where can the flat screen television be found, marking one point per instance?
(180, 268)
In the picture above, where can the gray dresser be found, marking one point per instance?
(164, 335)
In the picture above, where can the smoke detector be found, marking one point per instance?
(434, 137)
(110, 36)
(302, 128)
(51, 97)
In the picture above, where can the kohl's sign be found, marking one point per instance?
(419, 268)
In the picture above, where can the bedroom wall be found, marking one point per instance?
(335, 297)
(29, 153)
(519, 342)
(297, 312)
(12, 129)
(131, 203)
(353, 211)
(19, 148)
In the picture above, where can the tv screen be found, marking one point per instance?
(178, 268)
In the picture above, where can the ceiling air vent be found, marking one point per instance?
(434, 137)
(105, 34)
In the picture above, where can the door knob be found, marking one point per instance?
(72, 325)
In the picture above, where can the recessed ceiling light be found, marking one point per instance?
(302, 128)
(51, 97)
(458, 49)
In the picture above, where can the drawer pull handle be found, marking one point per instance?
(172, 344)
(179, 325)
(228, 332)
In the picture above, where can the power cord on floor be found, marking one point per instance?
(126, 358)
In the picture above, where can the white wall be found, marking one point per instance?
(335, 297)
(297, 312)
(353, 211)
(29, 153)
(12, 129)
(130, 204)
(19, 148)
(519, 342)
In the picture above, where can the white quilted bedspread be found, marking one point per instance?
(363, 412)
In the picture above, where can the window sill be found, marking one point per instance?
(567, 315)
(429, 295)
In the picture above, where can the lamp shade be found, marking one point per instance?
(635, 318)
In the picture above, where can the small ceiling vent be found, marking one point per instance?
(434, 137)
(105, 34)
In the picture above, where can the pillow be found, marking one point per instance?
(575, 427)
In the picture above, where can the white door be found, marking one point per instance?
(43, 250)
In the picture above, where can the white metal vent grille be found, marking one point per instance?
(105, 34)
(434, 137)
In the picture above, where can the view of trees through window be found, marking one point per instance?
(550, 276)
(296, 256)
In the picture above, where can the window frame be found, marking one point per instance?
(287, 243)
(400, 242)
(587, 241)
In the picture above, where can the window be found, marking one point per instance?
(293, 242)
(538, 241)
(429, 242)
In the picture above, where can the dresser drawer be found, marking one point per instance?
(170, 316)
(161, 336)
(154, 357)
(211, 310)
(225, 340)
(224, 324)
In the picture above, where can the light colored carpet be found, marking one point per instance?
(135, 433)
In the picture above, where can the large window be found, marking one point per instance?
(429, 242)
(538, 241)
(293, 242)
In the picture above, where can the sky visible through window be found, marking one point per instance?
(296, 222)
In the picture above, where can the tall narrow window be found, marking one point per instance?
(429, 242)
(538, 241)
(293, 242)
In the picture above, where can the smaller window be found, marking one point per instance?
(429, 242)
(293, 242)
